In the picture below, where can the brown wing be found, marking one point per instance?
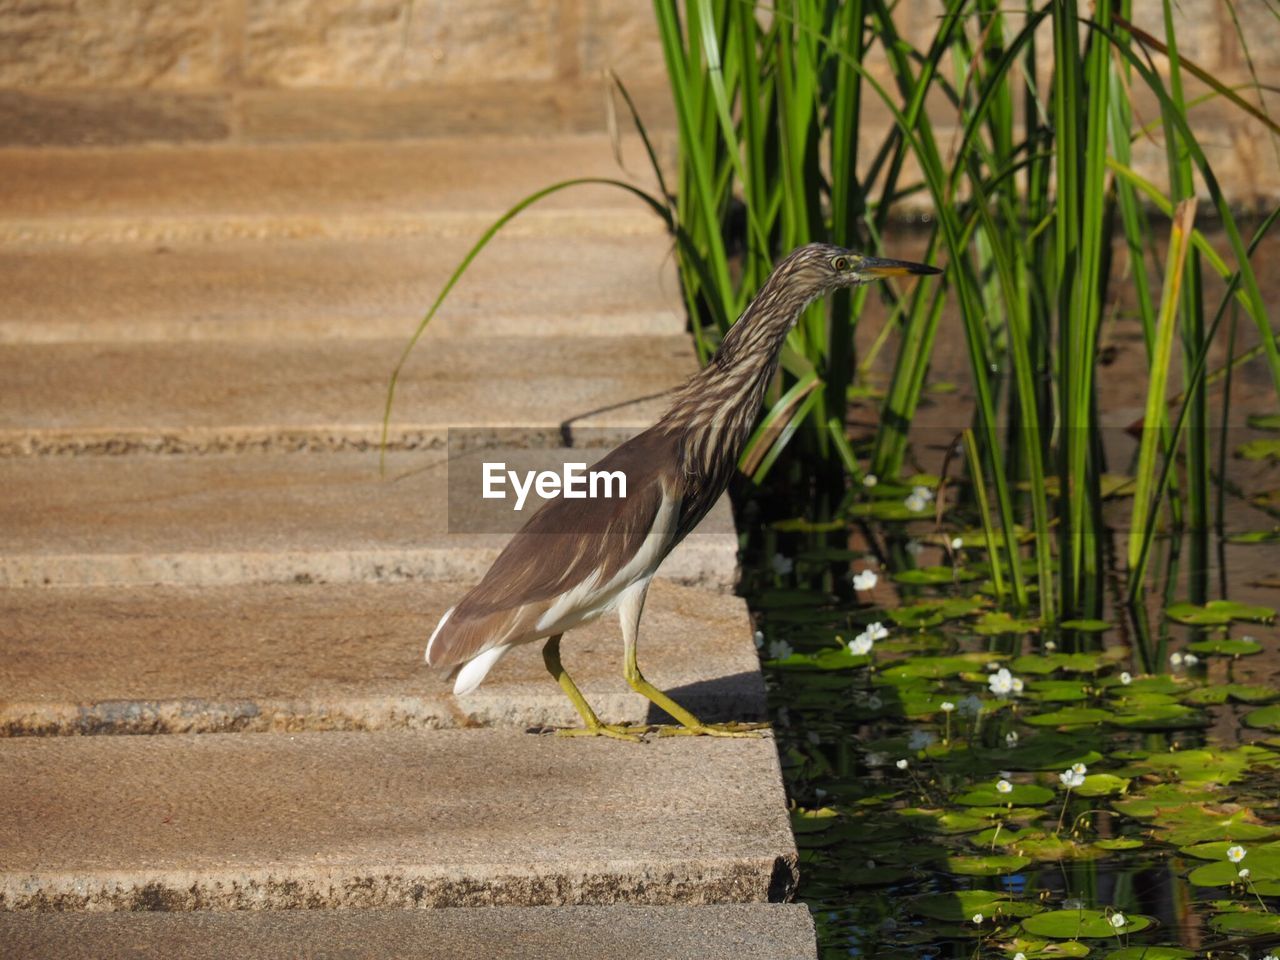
(562, 545)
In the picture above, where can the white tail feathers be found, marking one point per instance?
(436, 632)
(476, 669)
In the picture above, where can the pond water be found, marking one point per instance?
(978, 785)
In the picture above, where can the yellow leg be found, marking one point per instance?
(592, 727)
(629, 610)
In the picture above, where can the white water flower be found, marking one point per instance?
(1244, 873)
(759, 639)
(1019, 956)
(1126, 678)
(865, 580)
(877, 631)
(1236, 853)
(1190, 659)
(1004, 786)
(1050, 646)
(779, 650)
(870, 480)
(946, 706)
(916, 503)
(1070, 778)
(1011, 738)
(924, 493)
(861, 645)
(782, 565)
(1118, 920)
(1175, 659)
(957, 543)
(977, 918)
(1003, 683)
(1079, 768)
(902, 764)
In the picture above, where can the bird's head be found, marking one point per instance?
(829, 267)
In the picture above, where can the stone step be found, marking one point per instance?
(266, 518)
(442, 818)
(210, 397)
(245, 290)
(442, 186)
(755, 931)
(305, 657)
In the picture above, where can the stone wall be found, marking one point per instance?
(80, 72)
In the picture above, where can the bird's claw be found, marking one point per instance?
(615, 731)
(741, 731)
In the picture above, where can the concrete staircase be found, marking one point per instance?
(197, 547)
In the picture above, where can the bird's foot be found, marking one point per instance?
(741, 731)
(616, 731)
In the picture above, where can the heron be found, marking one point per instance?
(575, 560)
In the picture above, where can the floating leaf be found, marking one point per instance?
(934, 668)
(925, 576)
(959, 905)
(1159, 716)
(1255, 536)
(1246, 923)
(1028, 794)
(1046, 949)
(1102, 785)
(1056, 691)
(1263, 449)
(1071, 717)
(990, 866)
(1225, 647)
(930, 612)
(1118, 843)
(1264, 421)
(997, 621)
(1218, 613)
(1268, 718)
(1049, 662)
(1085, 626)
(1081, 924)
(813, 821)
(1150, 953)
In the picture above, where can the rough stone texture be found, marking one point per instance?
(601, 286)
(289, 658)
(456, 41)
(270, 518)
(180, 397)
(110, 43)
(269, 116)
(443, 186)
(42, 118)
(709, 932)
(330, 43)
(442, 818)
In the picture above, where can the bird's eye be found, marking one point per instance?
(841, 264)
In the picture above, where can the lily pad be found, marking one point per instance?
(1268, 718)
(1118, 843)
(1081, 924)
(1263, 449)
(1023, 794)
(1264, 421)
(1225, 647)
(1255, 536)
(1085, 626)
(930, 612)
(990, 866)
(1218, 613)
(1056, 691)
(960, 905)
(1150, 953)
(1040, 664)
(925, 576)
(1246, 923)
(996, 622)
(1046, 949)
(1102, 785)
(1071, 717)
(934, 668)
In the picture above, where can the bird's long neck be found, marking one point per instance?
(714, 412)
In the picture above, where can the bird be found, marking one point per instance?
(575, 560)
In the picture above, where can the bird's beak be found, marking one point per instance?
(874, 268)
